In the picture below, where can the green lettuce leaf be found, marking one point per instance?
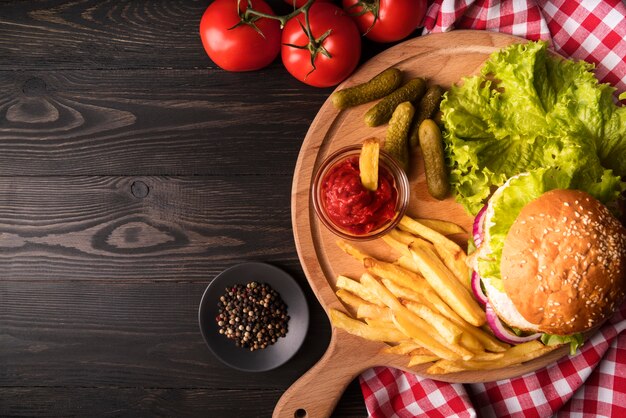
(613, 149)
(574, 341)
(529, 109)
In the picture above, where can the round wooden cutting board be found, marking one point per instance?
(443, 59)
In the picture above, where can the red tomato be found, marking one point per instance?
(397, 19)
(300, 3)
(241, 48)
(343, 44)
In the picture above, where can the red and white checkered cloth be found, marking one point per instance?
(593, 382)
(589, 30)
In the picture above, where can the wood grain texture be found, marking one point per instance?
(185, 229)
(151, 402)
(158, 122)
(102, 34)
(80, 402)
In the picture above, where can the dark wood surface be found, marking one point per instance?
(132, 171)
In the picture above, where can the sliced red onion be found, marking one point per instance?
(502, 332)
(477, 230)
(477, 289)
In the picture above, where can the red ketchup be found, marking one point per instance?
(352, 207)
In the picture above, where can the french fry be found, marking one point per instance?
(515, 355)
(422, 243)
(406, 239)
(381, 292)
(405, 293)
(421, 351)
(394, 243)
(351, 299)
(434, 300)
(381, 323)
(406, 262)
(485, 339)
(453, 256)
(448, 287)
(447, 329)
(470, 342)
(488, 340)
(443, 227)
(417, 360)
(351, 250)
(444, 367)
(368, 164)
(418, 355)
(368, 310)
(485, 356)
(524, 352)
(411, 328)
(407, 322)
(456, 348)
(396, 274)
(356, 327)
(411, 284)
(457, 263)
(358, 289)
(414, 326)
(403, 348)
(402, 236)
(414, 227)
(447, 333)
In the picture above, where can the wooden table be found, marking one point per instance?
(132, 171)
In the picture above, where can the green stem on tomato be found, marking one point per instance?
(250, 16)
(367, 6)
(251, 13)
(314, 46)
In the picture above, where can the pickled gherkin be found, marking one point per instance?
(431, 143)
(396, 140)
(376, 88)
(428, 105)
(382, 111)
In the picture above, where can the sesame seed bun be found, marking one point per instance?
(564, 262)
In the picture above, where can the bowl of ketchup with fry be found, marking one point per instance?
(360, 192)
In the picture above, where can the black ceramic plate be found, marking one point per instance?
(274, 355)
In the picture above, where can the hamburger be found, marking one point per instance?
(550, 260)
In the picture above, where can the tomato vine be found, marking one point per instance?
(315, 45)
(319, 42)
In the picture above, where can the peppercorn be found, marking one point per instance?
(252, 315)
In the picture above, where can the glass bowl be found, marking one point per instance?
(357, 228)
